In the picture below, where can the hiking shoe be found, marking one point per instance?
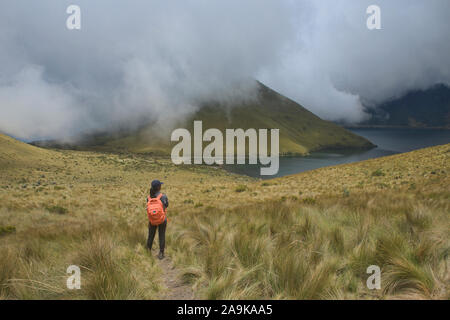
(161, 255)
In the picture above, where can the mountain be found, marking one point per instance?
(300, 130)
(15, 153)
(428, 108)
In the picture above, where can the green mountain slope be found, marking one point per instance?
(14, 153)
(300, 130)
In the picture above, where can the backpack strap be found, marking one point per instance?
(159, 198)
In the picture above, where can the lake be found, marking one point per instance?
(389, 142)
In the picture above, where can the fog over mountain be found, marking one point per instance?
(138, 60)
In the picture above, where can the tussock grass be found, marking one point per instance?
(241, 188)
(8, 269)
(4, 230)
(108, 277)
(297, 237)
(57, 209)
(289, 250)
(33, 265)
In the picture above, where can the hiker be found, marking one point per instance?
(157, 204)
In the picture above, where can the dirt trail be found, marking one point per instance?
(176, 289)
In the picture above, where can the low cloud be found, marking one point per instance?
(28, 101)
(138, 60)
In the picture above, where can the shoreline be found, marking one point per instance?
(392, 127)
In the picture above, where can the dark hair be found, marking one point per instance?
(154, 191)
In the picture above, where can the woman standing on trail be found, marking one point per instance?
(157, 204)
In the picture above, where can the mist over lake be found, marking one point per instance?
(389, 141)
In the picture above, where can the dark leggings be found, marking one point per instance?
(161, 235)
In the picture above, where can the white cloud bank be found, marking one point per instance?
(135, 60)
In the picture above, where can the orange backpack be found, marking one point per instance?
(155, 210)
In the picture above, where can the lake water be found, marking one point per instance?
(389, 141)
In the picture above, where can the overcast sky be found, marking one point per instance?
(133, 59)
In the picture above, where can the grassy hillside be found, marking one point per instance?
(310, 235)
(300, 130)
(18, 154)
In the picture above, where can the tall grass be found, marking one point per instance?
(107, 277)
(297, 237)
(289, 250)
(113, 265)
